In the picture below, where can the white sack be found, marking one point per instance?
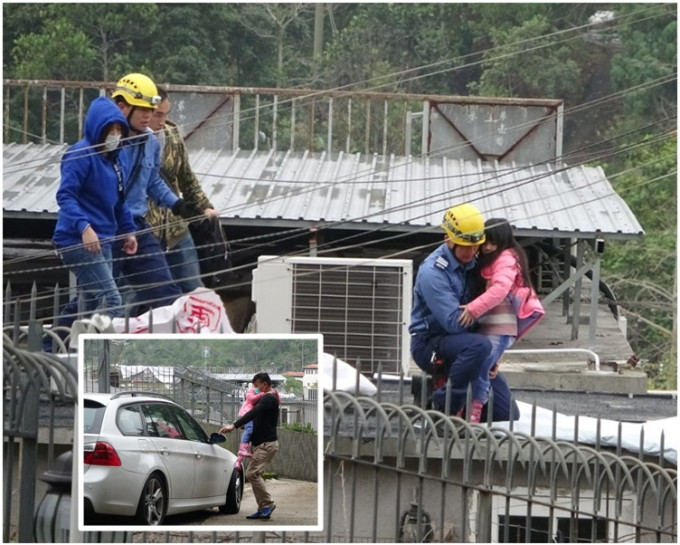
(201, 309)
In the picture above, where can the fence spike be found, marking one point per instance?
(8, 304)
(34, 301)
(356, 382)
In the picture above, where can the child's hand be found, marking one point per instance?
(466, 319)
(494, 371)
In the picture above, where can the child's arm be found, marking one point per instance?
(252, 397)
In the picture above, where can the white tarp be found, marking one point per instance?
(345, 377)
(609, 431)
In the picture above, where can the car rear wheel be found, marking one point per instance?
(153, 502)
(234, 493)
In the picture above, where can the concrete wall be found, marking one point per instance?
(297, 457)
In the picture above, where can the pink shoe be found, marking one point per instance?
(476, 411)
(237, 464)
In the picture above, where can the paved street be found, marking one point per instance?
(296, 505)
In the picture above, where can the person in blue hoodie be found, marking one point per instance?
(93, 218)
(148, 273)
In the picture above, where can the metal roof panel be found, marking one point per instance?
(364, 189)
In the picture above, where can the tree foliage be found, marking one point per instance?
(649, 40)
(225, 355)
(522, 64)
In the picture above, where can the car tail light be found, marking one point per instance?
(102, 454)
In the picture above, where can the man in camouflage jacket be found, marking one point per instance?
(170, 229)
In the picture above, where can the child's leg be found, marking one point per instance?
(482, 385)
(244, 447)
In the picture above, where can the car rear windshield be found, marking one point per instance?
(93, 415)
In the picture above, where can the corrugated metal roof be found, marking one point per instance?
(359, 190)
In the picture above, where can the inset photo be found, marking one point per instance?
(199, 433)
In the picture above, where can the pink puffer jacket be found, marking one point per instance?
(504, 279)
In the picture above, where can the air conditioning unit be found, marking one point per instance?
(361, 306)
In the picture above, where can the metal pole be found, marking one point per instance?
(594, 296)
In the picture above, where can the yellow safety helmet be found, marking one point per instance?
(137, 90)
(464, 225)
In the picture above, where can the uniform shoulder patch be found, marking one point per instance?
(441, 263)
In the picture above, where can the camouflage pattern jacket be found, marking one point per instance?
(177, 173)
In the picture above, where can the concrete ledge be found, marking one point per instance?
(574, 376)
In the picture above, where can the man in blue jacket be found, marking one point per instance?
(446, 280)
(137, 97)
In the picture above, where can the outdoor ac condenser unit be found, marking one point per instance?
(361, 306)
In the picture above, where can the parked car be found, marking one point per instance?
(146, 457)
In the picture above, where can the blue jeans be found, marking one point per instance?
(146, 271)
(466, 354)
(247, 432)
(499, 344)
(94, 279)
(184, 266)
(463, 353)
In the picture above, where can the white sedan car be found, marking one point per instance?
(146, 457)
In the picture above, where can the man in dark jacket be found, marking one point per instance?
(265, 416)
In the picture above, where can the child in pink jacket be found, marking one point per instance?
(509, 306)
(253, 395)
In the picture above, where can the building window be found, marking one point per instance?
(563, 530)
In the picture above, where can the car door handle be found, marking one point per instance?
(164, 451)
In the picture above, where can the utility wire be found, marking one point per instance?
(507, 46)
(447, 194)
(315, 94)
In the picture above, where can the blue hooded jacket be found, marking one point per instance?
(143, 153)
(88, 192)
(442, 285)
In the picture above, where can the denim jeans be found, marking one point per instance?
(146, 272)
(464, 353)
(247, 432)
(184, 266)
(94, 277)
(499, 344)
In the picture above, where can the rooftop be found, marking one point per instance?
(399, 193)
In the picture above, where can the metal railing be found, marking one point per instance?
(222, 117)
(49, 111)
(393, 471)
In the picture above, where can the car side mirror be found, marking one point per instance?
(216, 438)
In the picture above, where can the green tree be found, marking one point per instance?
(294, 386)
(522, 64)
(288, 29)
(84, 41)
(180, 54)
(50, 54)
(643, 274)
(649, 39)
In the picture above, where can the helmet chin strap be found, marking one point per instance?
(129, 116)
